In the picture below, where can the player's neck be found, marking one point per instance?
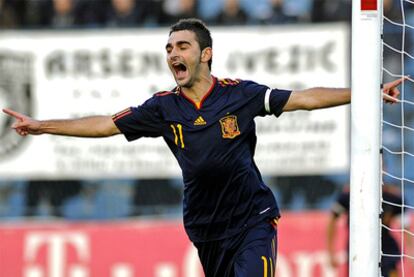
(199, 89)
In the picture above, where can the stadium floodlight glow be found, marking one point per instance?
(364, 252)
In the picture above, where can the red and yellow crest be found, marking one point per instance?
(229, 127)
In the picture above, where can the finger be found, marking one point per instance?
(13, 113)
(21, 132)
(394, 93)
(397, 82)
(389, 99)
(19, 125)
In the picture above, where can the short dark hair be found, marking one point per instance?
(199, 28)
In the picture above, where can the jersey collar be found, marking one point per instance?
(199, 105)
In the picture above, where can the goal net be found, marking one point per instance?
(398, 135)
(382, 148)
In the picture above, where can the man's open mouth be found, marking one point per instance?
(180, 70)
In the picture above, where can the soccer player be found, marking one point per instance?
(208, 123)
(389, 245)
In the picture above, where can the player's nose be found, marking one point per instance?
(173, 55)
(173, 58)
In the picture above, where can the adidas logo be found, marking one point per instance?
(200, 121)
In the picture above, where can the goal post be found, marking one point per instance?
(366, 104)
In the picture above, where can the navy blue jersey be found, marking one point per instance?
(214, 143)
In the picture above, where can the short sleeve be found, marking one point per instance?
(142, 121)
(266, 100)
(276, 101)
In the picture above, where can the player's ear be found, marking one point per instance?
(206, 54)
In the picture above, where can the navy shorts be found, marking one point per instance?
(247, 254)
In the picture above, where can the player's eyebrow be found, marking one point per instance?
(178, 43)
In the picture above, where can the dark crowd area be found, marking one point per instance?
(58, 14)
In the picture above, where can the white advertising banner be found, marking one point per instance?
(79, 73)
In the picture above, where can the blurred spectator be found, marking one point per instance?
(12, 199)
(174, 10)
(63, 14)
(409, 70)
(91, 13)
(258, 11)
(7, 15)
(398, 53)
(125, 13)
(328, 10)
(298, 10)
(392, 37)
(208, 10)
(278, 15)
(45, 197)
(35, 13)
(100, 199)
(157, 196)
(152, 12)
(232, 14)
(74, 14)
(82, 206)
(303, 192)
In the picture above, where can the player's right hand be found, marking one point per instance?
(24, 125)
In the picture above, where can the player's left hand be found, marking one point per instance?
(390, 92)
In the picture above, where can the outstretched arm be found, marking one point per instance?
(93, 126)
(318, 98)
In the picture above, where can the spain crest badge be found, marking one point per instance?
(229, 127)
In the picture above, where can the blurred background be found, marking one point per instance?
(51, 198)
(68, 58)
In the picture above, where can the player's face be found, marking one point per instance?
(183, 57)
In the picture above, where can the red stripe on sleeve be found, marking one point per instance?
(121, 114)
